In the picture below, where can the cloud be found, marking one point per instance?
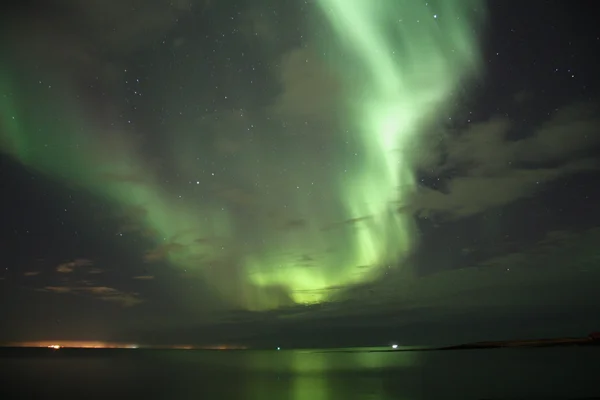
(124, 25)
(125, 179)
(161, 252)
(570, 132)
(236, 196)
(539, 279)
(575, 250)
(69, 267)
(294, 224)
(104, 293)
(229, 128)
(58, 289)
(349, 222)
(132, 219)
(490, 170)
(309, 89)
(31, 273)
(255, 23)
(144, 277)
(64, 268)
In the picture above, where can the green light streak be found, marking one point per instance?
(406, 63)
(400, 63)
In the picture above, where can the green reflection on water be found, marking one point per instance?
(301, 374)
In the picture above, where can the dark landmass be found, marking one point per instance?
(526, 343)
(591, 340)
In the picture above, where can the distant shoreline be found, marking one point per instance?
(591, 340)
(529, 343)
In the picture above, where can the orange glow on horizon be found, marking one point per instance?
(61, 344)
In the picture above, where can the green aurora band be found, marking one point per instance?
(400, 62)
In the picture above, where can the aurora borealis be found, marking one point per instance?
(399, 76)
(200, 162)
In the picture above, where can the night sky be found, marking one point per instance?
(278, 172)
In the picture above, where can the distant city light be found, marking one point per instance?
(394, 346)
(69, 344)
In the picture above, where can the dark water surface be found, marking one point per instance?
(537, 373)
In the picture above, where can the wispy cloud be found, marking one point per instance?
(70, 266)
(490, 170)
(95, 271)
(104, 293)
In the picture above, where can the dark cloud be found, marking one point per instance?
(104, 293)
(294, 224)
(574, 250)
(490, 170)
(162, 252)
(132, 219)
(537, 275)
(349, 222)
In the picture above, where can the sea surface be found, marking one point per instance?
(535, 373)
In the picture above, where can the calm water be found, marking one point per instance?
(301, 375)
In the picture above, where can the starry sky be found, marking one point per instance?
(307, 173)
